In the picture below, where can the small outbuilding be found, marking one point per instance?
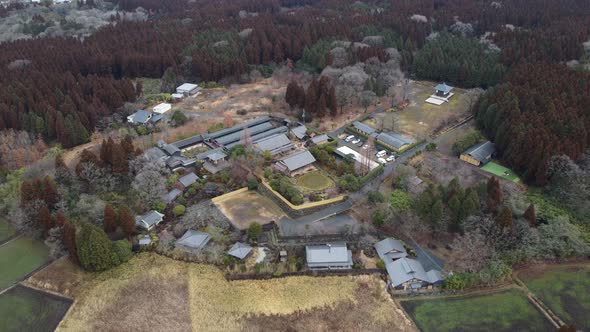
(240, 250)
(479, 154)
(443, 90)
(320, 139)
(390, 249)
(188, 179)
(363, 128)
(194, 239)
(299, 132)
(162, 108)
(140, 117)
(187, 89)
(171, 196)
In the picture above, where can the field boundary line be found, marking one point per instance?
(540, 305)
(10, 239)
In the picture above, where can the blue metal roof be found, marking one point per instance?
(443, 87)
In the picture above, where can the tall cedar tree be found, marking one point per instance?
(530, 216)
(50, 194)
(106, 151)
(494, 194)
(126, 221)
(127, 146)
(45, 220)
(120, 163)
(69, 238)
(110, 219)
(504, 218)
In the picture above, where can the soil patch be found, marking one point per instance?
(248, 207)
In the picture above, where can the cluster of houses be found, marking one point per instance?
(157, 113)
(392, 141)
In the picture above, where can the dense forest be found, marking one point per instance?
(61, 88)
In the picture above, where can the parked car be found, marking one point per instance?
(349, 138)
(366, 146)
(356, 141)
(390, 158)
(381, 153)
(381, 161)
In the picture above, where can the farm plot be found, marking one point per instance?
(503, 311)
(19, 257)
(564, 289)
(314, 181)
(27, 309)
(184, 296)
(501, 171)
(6, 230)
(248, 207)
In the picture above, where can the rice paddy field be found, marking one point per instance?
(19, 257)
(502, 311)
(501, 171)
(565, 289)
(181, 296)
(6, 230)
(27, 309)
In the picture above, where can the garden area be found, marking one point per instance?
(565, 289)
(314, 181)
(26, 309)
(19, 257)
(507, 310)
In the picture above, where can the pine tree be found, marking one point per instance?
(127, 146)
(110, 219)
(291, 95)
(94, 248)
(530, 215)
(126, 221)
(45, 220)
(504, 218)
(120, 164)
(106, 151)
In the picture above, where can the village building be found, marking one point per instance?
(140, 117)
(320, 139)
(479, 154)
(162, 108)
(149, 220)
(390, 249)
(442, 94)
(187, 89)
(394, 141)
(363, 128)
(295, 162)
(193, 240)
(299, 132)
(275, 144)
(408, 274)
(171, 196)
(187, 180)
(346, 152)
(240, 250)
(329, 256)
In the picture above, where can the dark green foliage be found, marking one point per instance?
(375, 197)
(349, 182)
(94, 248)
(462, 61)
(237, 151)
(283, 185)
(121, 251)
(380, 264)
(254, 231)
(401, 200)
(252, 183)
(467, 141)
(316, 57)
(390, 37)
(178, 118)
(431, 147)
(378, 218)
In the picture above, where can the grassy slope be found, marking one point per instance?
(25, 309)
(566, 290)
(6, 230)
(20, 257)
(504, 311)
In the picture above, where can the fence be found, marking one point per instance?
(308, 273)
(229, 195)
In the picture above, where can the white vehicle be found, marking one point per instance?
(381, 153)
(381, 161)
(390, 158)
(366, 146)
(349, 138)
(356, 141)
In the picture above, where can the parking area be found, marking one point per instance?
(361, 146)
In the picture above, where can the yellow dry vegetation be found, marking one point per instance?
(159, 293)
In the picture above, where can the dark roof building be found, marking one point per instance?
(140, 117)
(406, 273)
(328, 256)
(240, 250)
(479, 154)
(363, 128)
(275, 144)
(297, 161)
(443, 89)
(149, 220)
(188, 179)
(171, 150)
(394, 141)
(261, 136)
(189, 142)
(390, 249)
(299, 132)
(194, 239)
(320, 139)
(171, 196)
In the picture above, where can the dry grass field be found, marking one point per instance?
(160, 294)
(248, 207)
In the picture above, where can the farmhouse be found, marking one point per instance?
(407, 274)
(390, 249)
(170, 149)
(171, 196)
(393, 141)
(188, 179)
(193, 240)
(140, 117)
(320, 139)
(155, 153)
(363, 128)
(275, 144)
(299, 132)
(479, 154)
(330, 256)
(187, 89)
(149, 220)
(162, 108)
(295, 162)
(240, 250)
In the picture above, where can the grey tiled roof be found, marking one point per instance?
(406, 269)
(273, 143)
(170, 149)
(194, 239)
(171, 196)
(240, 250)
(187, 142)
(217, 155)
(331, 254)
(149, 219)
(258, 137)
(239, 127)
(188, 179)
(141, 116)
(298, 160)
(482, 151)
(236, 136)
(299, 132)
(395, 140)
(363, 127)
(320, 138)
(390, 249)
(155, 153)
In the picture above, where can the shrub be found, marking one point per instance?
(378, 218)
(141, 130)
(94, 248)
(178, 118)
(380, 264)
(467, 141)
(431, 147)
(267, 172)
(375, 197)
(254, 231)
(252, 183)
(159, 206)
(121, 251)
(400, 200)
(349, 182)
(179, 210)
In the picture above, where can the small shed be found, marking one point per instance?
(149, 220)
(479, 154)
(443, 90)
(140, 117)
(194, 239)
(240, 250)
(162, 108)
(187, 89)
(187, 180)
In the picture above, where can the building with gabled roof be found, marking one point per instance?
(295, 161)
(171, 196)
(193, 239)
(299, 132)
(187, 89)
(188, 179)
(479, 154)
(240, 250)
(390, 249)
(363, 128)
(320, 139)
(149, 220)
(406, 273)
(329, 256)
(394, 141)
(162, 108)
(275, 144)
(140, 117)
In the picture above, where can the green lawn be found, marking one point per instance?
(503, 311)
(26, 309)
(565, 290)
(500, 171)
(314, 181)
(19, 257)
(6, 230)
